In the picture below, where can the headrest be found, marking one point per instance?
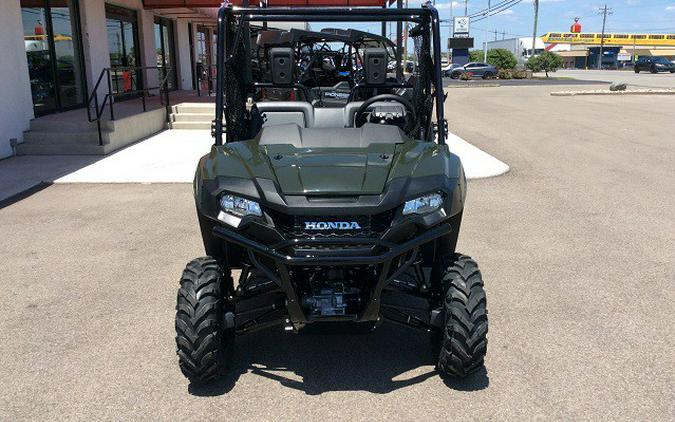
(282, 61)
(375, 66)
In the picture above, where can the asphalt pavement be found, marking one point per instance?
(576, 244)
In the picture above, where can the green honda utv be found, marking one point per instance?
(329, 213)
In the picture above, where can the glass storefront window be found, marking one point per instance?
(164, 46)
(52, 44)
(122, 44)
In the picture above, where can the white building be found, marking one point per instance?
(53, 52)
(520, 47)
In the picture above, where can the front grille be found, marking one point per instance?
(293, 226)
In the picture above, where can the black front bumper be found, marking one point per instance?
(392, 259)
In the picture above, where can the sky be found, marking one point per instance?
(628, 16)
(648, 16)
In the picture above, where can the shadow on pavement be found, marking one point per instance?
(335, 359)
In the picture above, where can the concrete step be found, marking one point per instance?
(195, 108)
(49, 125)
(191, 125)
(60, 149)
(51, 137)
(191, 117)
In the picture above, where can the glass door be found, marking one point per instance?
(54, 54)
(164, 47)
(123, 45)
(204, 62)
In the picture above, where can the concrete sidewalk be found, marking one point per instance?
(168, 157)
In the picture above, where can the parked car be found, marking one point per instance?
(448, 68)
(483, 70)
(654, 64)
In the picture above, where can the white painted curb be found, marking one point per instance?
(172, 156)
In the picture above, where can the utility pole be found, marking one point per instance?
(604, 11)
(487, 26)
(405, 41)
(534, 33)
(466, 7)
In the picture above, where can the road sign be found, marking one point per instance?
(460, 42)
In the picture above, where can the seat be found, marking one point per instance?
(284, 112)
(301, 137)
(305, 115)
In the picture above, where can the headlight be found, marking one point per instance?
(239, 206)
(423, 205)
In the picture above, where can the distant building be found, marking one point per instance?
(581, 50)
(520, 47)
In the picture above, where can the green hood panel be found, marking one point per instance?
(359, 171)
(329, 171)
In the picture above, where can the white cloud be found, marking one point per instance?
(670, 8)
(447, 5)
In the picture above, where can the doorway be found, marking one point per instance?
(52, 41)
(206, 51)
(165, 49)
(122, 26)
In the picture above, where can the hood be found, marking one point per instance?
(334, 171)
(328, 171)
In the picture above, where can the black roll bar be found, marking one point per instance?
(328, 14)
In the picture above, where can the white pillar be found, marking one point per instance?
(183, 62)
(95, 42)
(16, 102)
(146, 33)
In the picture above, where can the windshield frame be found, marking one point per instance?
(427, 14)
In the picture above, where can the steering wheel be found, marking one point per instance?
(406, 103)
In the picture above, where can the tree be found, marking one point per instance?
(476, 56)
(501, 58)
(546, 62)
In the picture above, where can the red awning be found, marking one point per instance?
(165, 4)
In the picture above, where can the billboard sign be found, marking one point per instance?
(460, 27)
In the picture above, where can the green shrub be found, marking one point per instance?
(520, 74)
(546, 62)
(501, 58)
(466, 76)
(476, 55)
(504, 74)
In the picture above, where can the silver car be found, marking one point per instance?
(483, 70)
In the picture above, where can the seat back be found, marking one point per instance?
(305, 115)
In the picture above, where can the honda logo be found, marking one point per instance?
(332, 225)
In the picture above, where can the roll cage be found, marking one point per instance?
(233, 21)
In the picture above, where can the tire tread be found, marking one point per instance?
(464, 341)
(200, 340)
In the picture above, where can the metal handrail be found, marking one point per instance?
(110, 96)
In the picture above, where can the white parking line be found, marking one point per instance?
(478, 164)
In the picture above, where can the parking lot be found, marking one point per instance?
(575, 244)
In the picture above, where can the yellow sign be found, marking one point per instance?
(585, 38)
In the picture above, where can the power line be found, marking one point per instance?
(483, 12)
(497, 10)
